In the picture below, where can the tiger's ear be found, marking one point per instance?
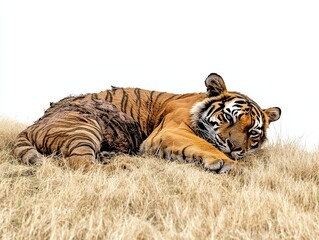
(215, 85)
(273, 113)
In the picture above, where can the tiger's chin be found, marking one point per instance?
(238, 155)
(235, 155)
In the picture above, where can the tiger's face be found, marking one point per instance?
(231, 121)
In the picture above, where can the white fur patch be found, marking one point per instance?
(197, 109)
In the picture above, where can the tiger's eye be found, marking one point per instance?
(229, 118)
(253, 133)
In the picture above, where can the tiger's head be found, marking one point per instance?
(231, 121)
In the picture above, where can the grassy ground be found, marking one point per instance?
(277, 198)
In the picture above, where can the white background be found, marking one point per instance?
(268, 50)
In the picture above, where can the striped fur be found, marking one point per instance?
(214, 128)
(79, 131)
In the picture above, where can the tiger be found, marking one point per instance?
(215, 128)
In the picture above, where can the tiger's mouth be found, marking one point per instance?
(226, 146)
(236, 155)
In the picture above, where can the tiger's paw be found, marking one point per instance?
(225, 166)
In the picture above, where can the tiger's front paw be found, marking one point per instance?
(224, 166)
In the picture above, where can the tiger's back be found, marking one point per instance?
(146, 107)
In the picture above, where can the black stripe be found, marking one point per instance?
(114, 89)
(138, 99)
(80, 154)
(110, 125)
(167, 99)
(161, 124)
(219, 109)
(124, 101)
(61, 144)
(150, 111)
(180, 96)
(89, 129)
(219, 141)
(240, 102)
(49, 149)
(83, 144)
(157, 97)
(190, 128)
(36, 131)
(183, 152)
(134, 137)
(24, 151)
(131, 112)
(23, 143)
(109, 96)
(210, 111)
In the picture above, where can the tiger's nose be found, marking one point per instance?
(232, 146)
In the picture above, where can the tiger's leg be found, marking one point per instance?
(182, 144)
(78, 154)
(83, 157)
(81, 154)
(24, 149)
(87, 163)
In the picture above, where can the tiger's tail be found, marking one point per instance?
(25, 150)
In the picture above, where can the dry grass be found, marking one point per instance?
(276, 199)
